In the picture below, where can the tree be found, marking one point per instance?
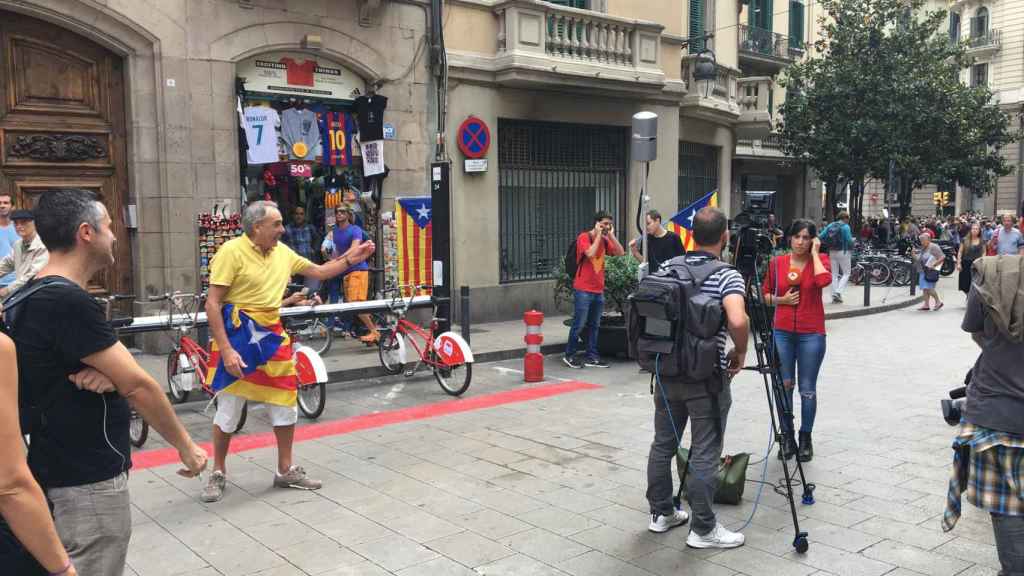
(883, 91)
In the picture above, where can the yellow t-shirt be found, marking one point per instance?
(255, 281)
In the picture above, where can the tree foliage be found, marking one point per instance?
(883, 90)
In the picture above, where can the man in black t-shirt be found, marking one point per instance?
(78, 421)
(665, 245)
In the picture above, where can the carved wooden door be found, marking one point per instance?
(62, 124)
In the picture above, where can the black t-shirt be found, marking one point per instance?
(995, 398)
(662, 249)
(370, 115)
(57, 327)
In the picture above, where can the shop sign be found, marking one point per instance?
(475, 165)
(474, 138)
(389, 131)
(299, 74)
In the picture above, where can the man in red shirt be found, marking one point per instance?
(588, 286)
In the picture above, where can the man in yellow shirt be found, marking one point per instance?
(250, 273)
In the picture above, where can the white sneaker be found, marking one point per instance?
(661, 523)
(720, 537)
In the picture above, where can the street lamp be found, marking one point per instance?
(705, 72)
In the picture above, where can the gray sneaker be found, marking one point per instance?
(296, 478)
(214, 489)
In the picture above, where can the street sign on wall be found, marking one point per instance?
(474, 138)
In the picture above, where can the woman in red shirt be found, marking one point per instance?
(793, 285)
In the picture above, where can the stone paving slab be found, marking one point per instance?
(556, 486)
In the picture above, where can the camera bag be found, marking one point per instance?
(673, 327)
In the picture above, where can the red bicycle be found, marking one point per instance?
(447, 354)
(188, 363)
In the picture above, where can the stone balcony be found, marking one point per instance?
(755, 103)
(767, 146)
(545, 45)
(717, 104)
(985, 43)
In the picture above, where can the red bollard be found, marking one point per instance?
(533, 362)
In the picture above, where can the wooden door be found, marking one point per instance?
(62, 124)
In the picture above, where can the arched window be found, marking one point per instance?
(979, 24)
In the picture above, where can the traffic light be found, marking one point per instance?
(940, 198)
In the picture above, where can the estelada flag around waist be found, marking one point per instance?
(261, 341)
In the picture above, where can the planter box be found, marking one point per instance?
(612, 337)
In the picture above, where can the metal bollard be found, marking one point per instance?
(913, 284)
(464, 313)
(867, 288)
(533, 361)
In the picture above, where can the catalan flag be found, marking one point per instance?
(265, 348)
(415, 254)
(682, 222)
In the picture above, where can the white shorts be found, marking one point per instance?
(229, 412)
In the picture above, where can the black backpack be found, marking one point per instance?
(571, 263)
(832, 237)
(673, 327)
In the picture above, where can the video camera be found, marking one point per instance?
(952, 408)
(752, 241)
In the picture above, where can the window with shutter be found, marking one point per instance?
(572, 3)
(979, 75)
(697, 21)
(796, 24)
(759, 14)
(954, 26)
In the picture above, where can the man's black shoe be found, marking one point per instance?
(806, 451)
(595, 363)
(571, 362)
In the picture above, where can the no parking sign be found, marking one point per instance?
(474, 138)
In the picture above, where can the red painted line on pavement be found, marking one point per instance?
(164, 456)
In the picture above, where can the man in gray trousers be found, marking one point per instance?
(706, 404)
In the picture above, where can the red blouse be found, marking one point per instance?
(808, 317)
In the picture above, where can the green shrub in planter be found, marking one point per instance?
(620, 281)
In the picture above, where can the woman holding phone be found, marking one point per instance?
(28, 540)
(793, 285)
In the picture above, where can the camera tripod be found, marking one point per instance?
(779, 403)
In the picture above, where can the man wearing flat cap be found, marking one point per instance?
(27, 257)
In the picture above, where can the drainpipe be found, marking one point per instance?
(1020, 163)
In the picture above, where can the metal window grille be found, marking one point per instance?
(979, 75)
(552, 179)
(698, 172)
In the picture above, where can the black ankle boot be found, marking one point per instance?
(806, 451)
(787, 448)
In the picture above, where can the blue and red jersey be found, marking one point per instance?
(336, 131)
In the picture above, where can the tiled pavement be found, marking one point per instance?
(556, 486)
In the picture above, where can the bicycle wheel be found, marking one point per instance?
(175, 390)
(901, 273)
(878, 273)
(138, 430)
(454, 380)
(948, 266)
(857, 274)
(318, 336)
(388, 350)
(312, 399)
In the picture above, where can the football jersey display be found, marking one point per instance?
(299, 74)
(261, 123)
(370, 109)
(300, 133)
(336, 129)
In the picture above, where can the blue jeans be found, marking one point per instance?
(801, 355)
(588, 309)
(335, 295)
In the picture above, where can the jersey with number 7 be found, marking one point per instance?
(261, 126)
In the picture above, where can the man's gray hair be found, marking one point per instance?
(254, 213)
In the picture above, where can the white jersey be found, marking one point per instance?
(261, 128)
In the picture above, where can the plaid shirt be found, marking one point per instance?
(989, 465)
(300, 239)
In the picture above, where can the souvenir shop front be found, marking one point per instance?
(310, 137)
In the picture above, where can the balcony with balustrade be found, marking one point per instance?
(754, 97)
(765, 50)
(716, 101)
(984, 42)
(542, 44)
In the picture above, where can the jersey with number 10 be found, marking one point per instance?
(261, 123)
(336, 130)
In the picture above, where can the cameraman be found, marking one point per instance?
(706, 403)
(992, 428)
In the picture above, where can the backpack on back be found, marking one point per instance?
(571, 263)
(673, 326)
(832, 237)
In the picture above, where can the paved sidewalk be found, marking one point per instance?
(349, 359)
(556, 485)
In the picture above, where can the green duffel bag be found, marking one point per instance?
(732, 476)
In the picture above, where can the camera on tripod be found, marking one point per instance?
(952, 408)
(752, 240)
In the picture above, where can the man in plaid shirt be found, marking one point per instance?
(300, 236)
(989, 448)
